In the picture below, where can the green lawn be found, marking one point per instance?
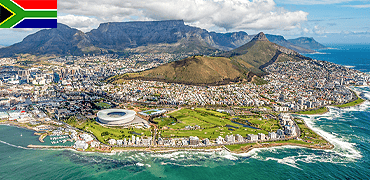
(309, 135)
(213, 124)
(316, 111)
(103, 134)
(211, 112)
(289, 141)
(149, 112)
(353, 103)
(238, 146)
(103, 105)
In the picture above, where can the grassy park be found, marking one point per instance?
(353, 103)
(315, 111)
(103, 134)
(309, 135)
(103, 105)
(212, 124)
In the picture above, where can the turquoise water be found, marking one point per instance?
(348, 129)
(351, 55)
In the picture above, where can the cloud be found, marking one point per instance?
(319, 30)
(227, 14)
(359, 6)
(83, 23)
(305, 30)
(313, 2)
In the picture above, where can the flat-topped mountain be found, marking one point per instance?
(121, 35)
(116, 37)
(242, 64)
(141, 37)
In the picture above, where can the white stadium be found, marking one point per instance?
(115, 117)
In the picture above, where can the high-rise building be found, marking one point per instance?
(194, 140)
(252, 137)
(272, 135)
(261, 136)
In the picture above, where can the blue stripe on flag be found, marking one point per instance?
(37, 23)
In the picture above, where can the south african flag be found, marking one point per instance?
(28, 13)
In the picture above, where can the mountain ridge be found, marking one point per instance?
(245, 63)
(171, 36)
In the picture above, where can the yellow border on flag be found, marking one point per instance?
(8, 17)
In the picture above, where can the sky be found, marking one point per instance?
(328, 21)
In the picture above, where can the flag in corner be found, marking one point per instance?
(28, 14)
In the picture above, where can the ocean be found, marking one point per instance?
(348, 129)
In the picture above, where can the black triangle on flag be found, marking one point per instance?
(4, 14)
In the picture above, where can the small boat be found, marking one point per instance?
(21, 134)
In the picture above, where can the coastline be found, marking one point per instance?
(339, 106)
(244, 149)
(7, 123)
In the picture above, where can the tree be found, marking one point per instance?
(104, 133)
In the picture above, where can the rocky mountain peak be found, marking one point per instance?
(260, 37)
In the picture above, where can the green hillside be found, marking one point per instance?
(195, 70)
(243, 63)
(260, 53)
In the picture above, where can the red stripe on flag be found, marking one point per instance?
(37, 4)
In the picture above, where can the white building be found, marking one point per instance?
(119, 142)
(220, 140)
(252, 137)
(280, 133)
(206, 142)
(86, 137)
(290, 130)
(112, 141)
(95, 144)
(239, 138)
(261, 136)
(230, 138)
(281, 109)
(272, 135)
(185, 142)
(137, 142)
(80, 145)
(147, 142)
(193, 140)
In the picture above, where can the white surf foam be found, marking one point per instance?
(20, 147)
(290, 161)
(342, 146)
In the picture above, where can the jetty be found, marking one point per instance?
(49, 147)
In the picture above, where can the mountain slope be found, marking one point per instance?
(195, 70)
(163, 36)
(280, 40)
(116, 37)
(61, 40)
(237, 65)
(306, 42)
(139, 37)
(260, 52)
